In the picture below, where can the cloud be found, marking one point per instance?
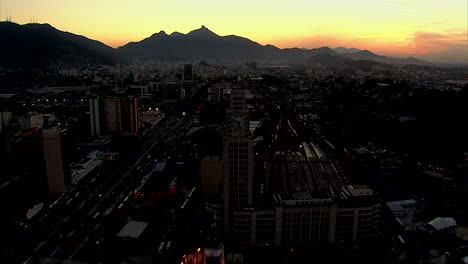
(450, 47)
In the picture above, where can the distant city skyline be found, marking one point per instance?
(427, 29)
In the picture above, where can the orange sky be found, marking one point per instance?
(427, 28)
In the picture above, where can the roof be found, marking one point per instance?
(159, 167)
(441, 223)
(133, 229)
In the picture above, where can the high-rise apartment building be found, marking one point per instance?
(129, 107)
(121, 115)
(112, 114)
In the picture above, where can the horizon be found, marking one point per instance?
(422, 29)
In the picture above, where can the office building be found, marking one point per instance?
(129, 106)
(121, 115)
(188, 72)
(112, 114)
(238, 160)
(94, 117)
(170, 91)
(39, 153)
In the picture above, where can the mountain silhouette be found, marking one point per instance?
(335, 61)
(367, 55)
(204, 44)
(41, 45)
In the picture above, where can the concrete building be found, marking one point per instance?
(129, 106)
(39, 153)
(188, 72)
(52, 149)
(214, 94)
(238, 160)
(170, 91)
(112, 114)
(30, 120)
(121, 115)
(211, 173)
(94, 117)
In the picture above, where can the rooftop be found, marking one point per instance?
(133, 229)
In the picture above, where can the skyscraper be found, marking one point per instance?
(52, 151)
(41, 150)
(112, 114)
(94, 117)
(188, 72)
(238, 159)
(121, 115)
(129, 107)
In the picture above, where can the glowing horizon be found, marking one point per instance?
(428, 29)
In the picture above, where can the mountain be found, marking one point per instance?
(343, 62)
(41, 45)
(367, 55)
(203, 44)
(200, 44)
(343, 50)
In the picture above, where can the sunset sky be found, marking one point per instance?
(431, 29)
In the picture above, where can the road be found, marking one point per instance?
(80, 212)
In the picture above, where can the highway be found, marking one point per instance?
(79, 213)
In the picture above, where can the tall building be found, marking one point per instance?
(121, 115)
(112, 114)
(214, 94)
(94, 117)
(238, 160)
(188, 72)
(39, 153)
(52, 151)
(129, 106)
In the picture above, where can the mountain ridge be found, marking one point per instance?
(42, 45)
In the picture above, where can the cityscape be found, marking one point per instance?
(207, 148)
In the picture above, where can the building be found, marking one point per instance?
(214, 94)
(211, 173)
(170, 91)
(129, 106)
(5, 120)
(121, 115)
(238, 161)
(314, 205)
(39, 153)
(52, 149)
(188, 72)
(94, 117)
(112, 114)
(30, 120)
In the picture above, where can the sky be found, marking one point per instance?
(428, 29)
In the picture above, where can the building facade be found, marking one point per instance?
(238, 159)
(94, 117)
(121, 115)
